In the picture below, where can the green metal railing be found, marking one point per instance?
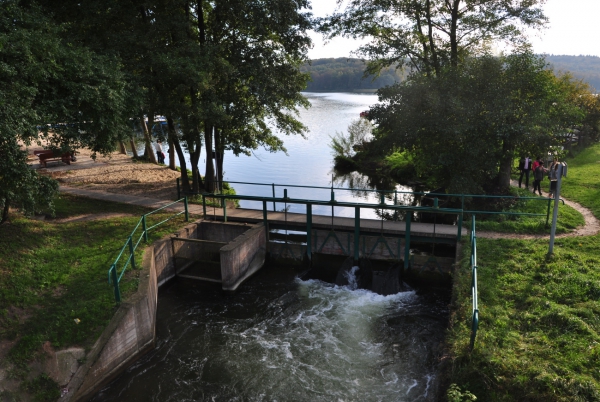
(383, 193)
(475, 315)
(114, 277)
(334, 203)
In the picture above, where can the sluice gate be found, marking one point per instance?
(230, 252)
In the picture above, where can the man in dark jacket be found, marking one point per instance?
(538, 176)
(525, 168)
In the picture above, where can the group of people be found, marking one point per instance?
(526, 166)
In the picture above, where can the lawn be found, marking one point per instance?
(539, 331)
(53, 275)
(568, 218)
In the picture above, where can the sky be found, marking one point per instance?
(573, 29)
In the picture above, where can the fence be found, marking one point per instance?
(475, 315)
(393, 195)
(114, 277)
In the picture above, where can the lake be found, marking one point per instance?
(309, 160)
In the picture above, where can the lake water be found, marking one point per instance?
(309, 160)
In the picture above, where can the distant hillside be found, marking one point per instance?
(346, 75)
(586, 68)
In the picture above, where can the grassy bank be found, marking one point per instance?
(582, 183)
(539, 333)
(539, 337)
(53, 274)
(568, 218)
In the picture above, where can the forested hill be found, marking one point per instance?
(586, 68)
(346, 75)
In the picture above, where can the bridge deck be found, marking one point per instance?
(298, 221)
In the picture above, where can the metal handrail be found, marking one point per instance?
(475, 311)
(382, 193)
(113, 276)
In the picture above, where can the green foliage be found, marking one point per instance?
(43, 388)
(463, 128)
(430, 34)
(454, 394)
(359, 133)
(401, 166)
(56, 272)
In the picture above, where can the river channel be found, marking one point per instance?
(283, 339)
(280, 338)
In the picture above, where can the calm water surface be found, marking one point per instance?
(283, 339)
(309, 161)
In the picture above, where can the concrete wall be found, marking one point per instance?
(130, 332)
(243, 257)
(221, 231)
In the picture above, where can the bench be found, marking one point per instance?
(49, 155)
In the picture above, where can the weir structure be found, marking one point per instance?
(312, 240)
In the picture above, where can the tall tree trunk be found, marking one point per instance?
(5, 211)
(195, 149)
(220, 153)
(506, 164)
(209, 175)
(122, 148)
(149, 150)
(453, 33)
(172, 134)
(185, 181)
(133, 148)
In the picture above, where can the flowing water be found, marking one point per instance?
(283, 339)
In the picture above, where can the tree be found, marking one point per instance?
(431, 34)
(53, 90)
(465, 126)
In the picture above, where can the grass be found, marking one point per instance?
(539, 331)
(53, 276)
(582, 183)
(568, 218)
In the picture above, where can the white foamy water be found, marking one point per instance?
(292, 341)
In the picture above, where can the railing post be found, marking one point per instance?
(115, 281)
(356, 233)
(460, 224)
(132, 251)
(224, 204)
(407, 239)
(178, 189)
(144, 227)
(187, 212)
(548, 212)
(309, 231)
(204, 205)
(273, 187)
(266, 223)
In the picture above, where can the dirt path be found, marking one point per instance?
(590, 228)
(119, 174)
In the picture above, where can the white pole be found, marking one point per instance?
(555, 214)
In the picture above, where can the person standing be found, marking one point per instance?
(159, 152)
(525, 168)
(538, 176)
